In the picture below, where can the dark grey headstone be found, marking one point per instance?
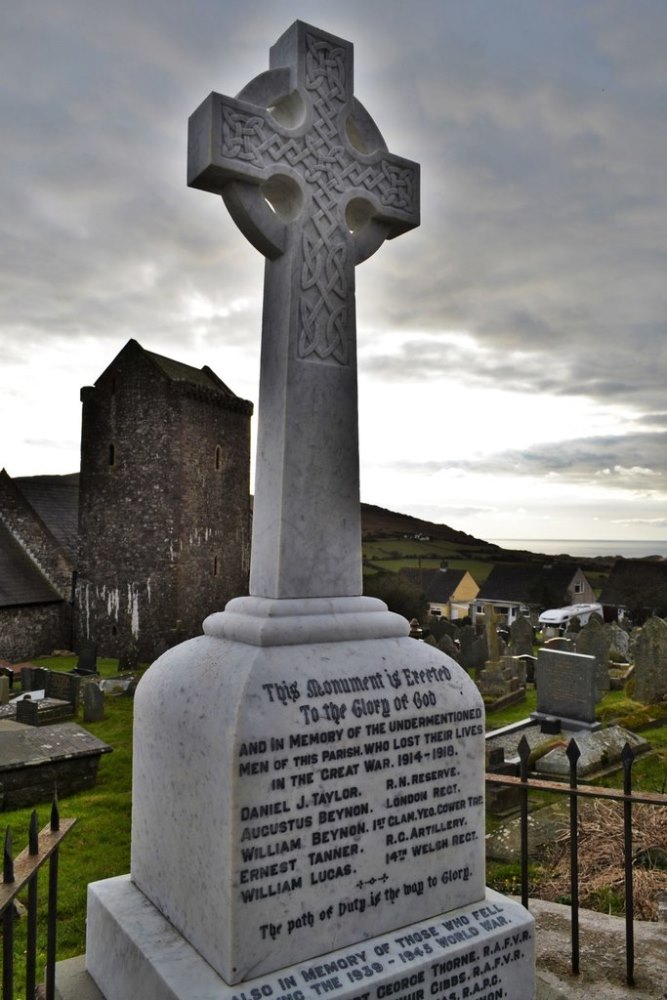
(39, 676)
(566, 686)
(93, 703)
(87, 662)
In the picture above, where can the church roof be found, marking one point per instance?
(177, 371)
(20, 580)
(202, 382)
(56, 500)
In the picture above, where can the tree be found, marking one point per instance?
(399, 594)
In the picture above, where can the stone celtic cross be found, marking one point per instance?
(306, 175)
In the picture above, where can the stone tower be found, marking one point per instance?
(164, 503)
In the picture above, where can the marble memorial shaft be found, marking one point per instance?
(305, 173)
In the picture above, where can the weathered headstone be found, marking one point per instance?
(521, 637)
(4, 690)
(592, 640)
(619, 641)
(566, 685)
(93, 703)
(473, 654)
(651, 662)
(448, 646)
(308, 812)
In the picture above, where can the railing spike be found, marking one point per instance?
(8, 860)
(55, 813)
(33, 834)
(573, 752)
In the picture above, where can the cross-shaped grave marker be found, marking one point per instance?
(306, 175)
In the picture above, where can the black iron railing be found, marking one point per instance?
(575, 791)
(19, 874)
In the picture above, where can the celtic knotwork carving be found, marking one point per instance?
(325, 69)
(330, 169)
(242, 136)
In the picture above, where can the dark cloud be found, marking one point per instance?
(636, 462)
(540, 131)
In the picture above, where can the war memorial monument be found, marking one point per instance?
(308, 785)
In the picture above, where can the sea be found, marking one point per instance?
(627, 548)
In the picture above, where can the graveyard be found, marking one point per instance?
(99, 845)
(293, 804)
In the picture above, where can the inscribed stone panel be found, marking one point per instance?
(566, 684)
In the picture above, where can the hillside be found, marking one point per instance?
(379, 522)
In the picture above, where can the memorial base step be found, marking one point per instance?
(482, 951)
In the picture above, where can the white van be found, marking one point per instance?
(558, 618)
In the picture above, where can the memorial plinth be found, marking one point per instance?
(308, 784)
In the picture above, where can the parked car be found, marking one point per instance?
(558, 618)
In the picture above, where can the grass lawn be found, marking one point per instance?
(98, 847)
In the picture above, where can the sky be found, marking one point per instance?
(512, 350)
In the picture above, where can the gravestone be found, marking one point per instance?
(521, 637)
(93, 703)
(448, 646)
(651, 662)
(592, 640)
(567, 688)
(27, 675)
(87, 661)
(619, 641)
(473, 653)
(64, 687)
(4, 690)
(308, 812)
(561, 643)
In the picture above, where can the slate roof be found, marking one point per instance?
(177, 371)
(56, 500)
(636, 583)
(20, 580)
(438, 585)
(513, 582)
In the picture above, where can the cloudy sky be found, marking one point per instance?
(512, 349)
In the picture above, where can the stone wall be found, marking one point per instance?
(164, 506)
(34, 630)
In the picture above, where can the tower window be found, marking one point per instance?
(216, 566)
(218, 458)
(112, 454)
